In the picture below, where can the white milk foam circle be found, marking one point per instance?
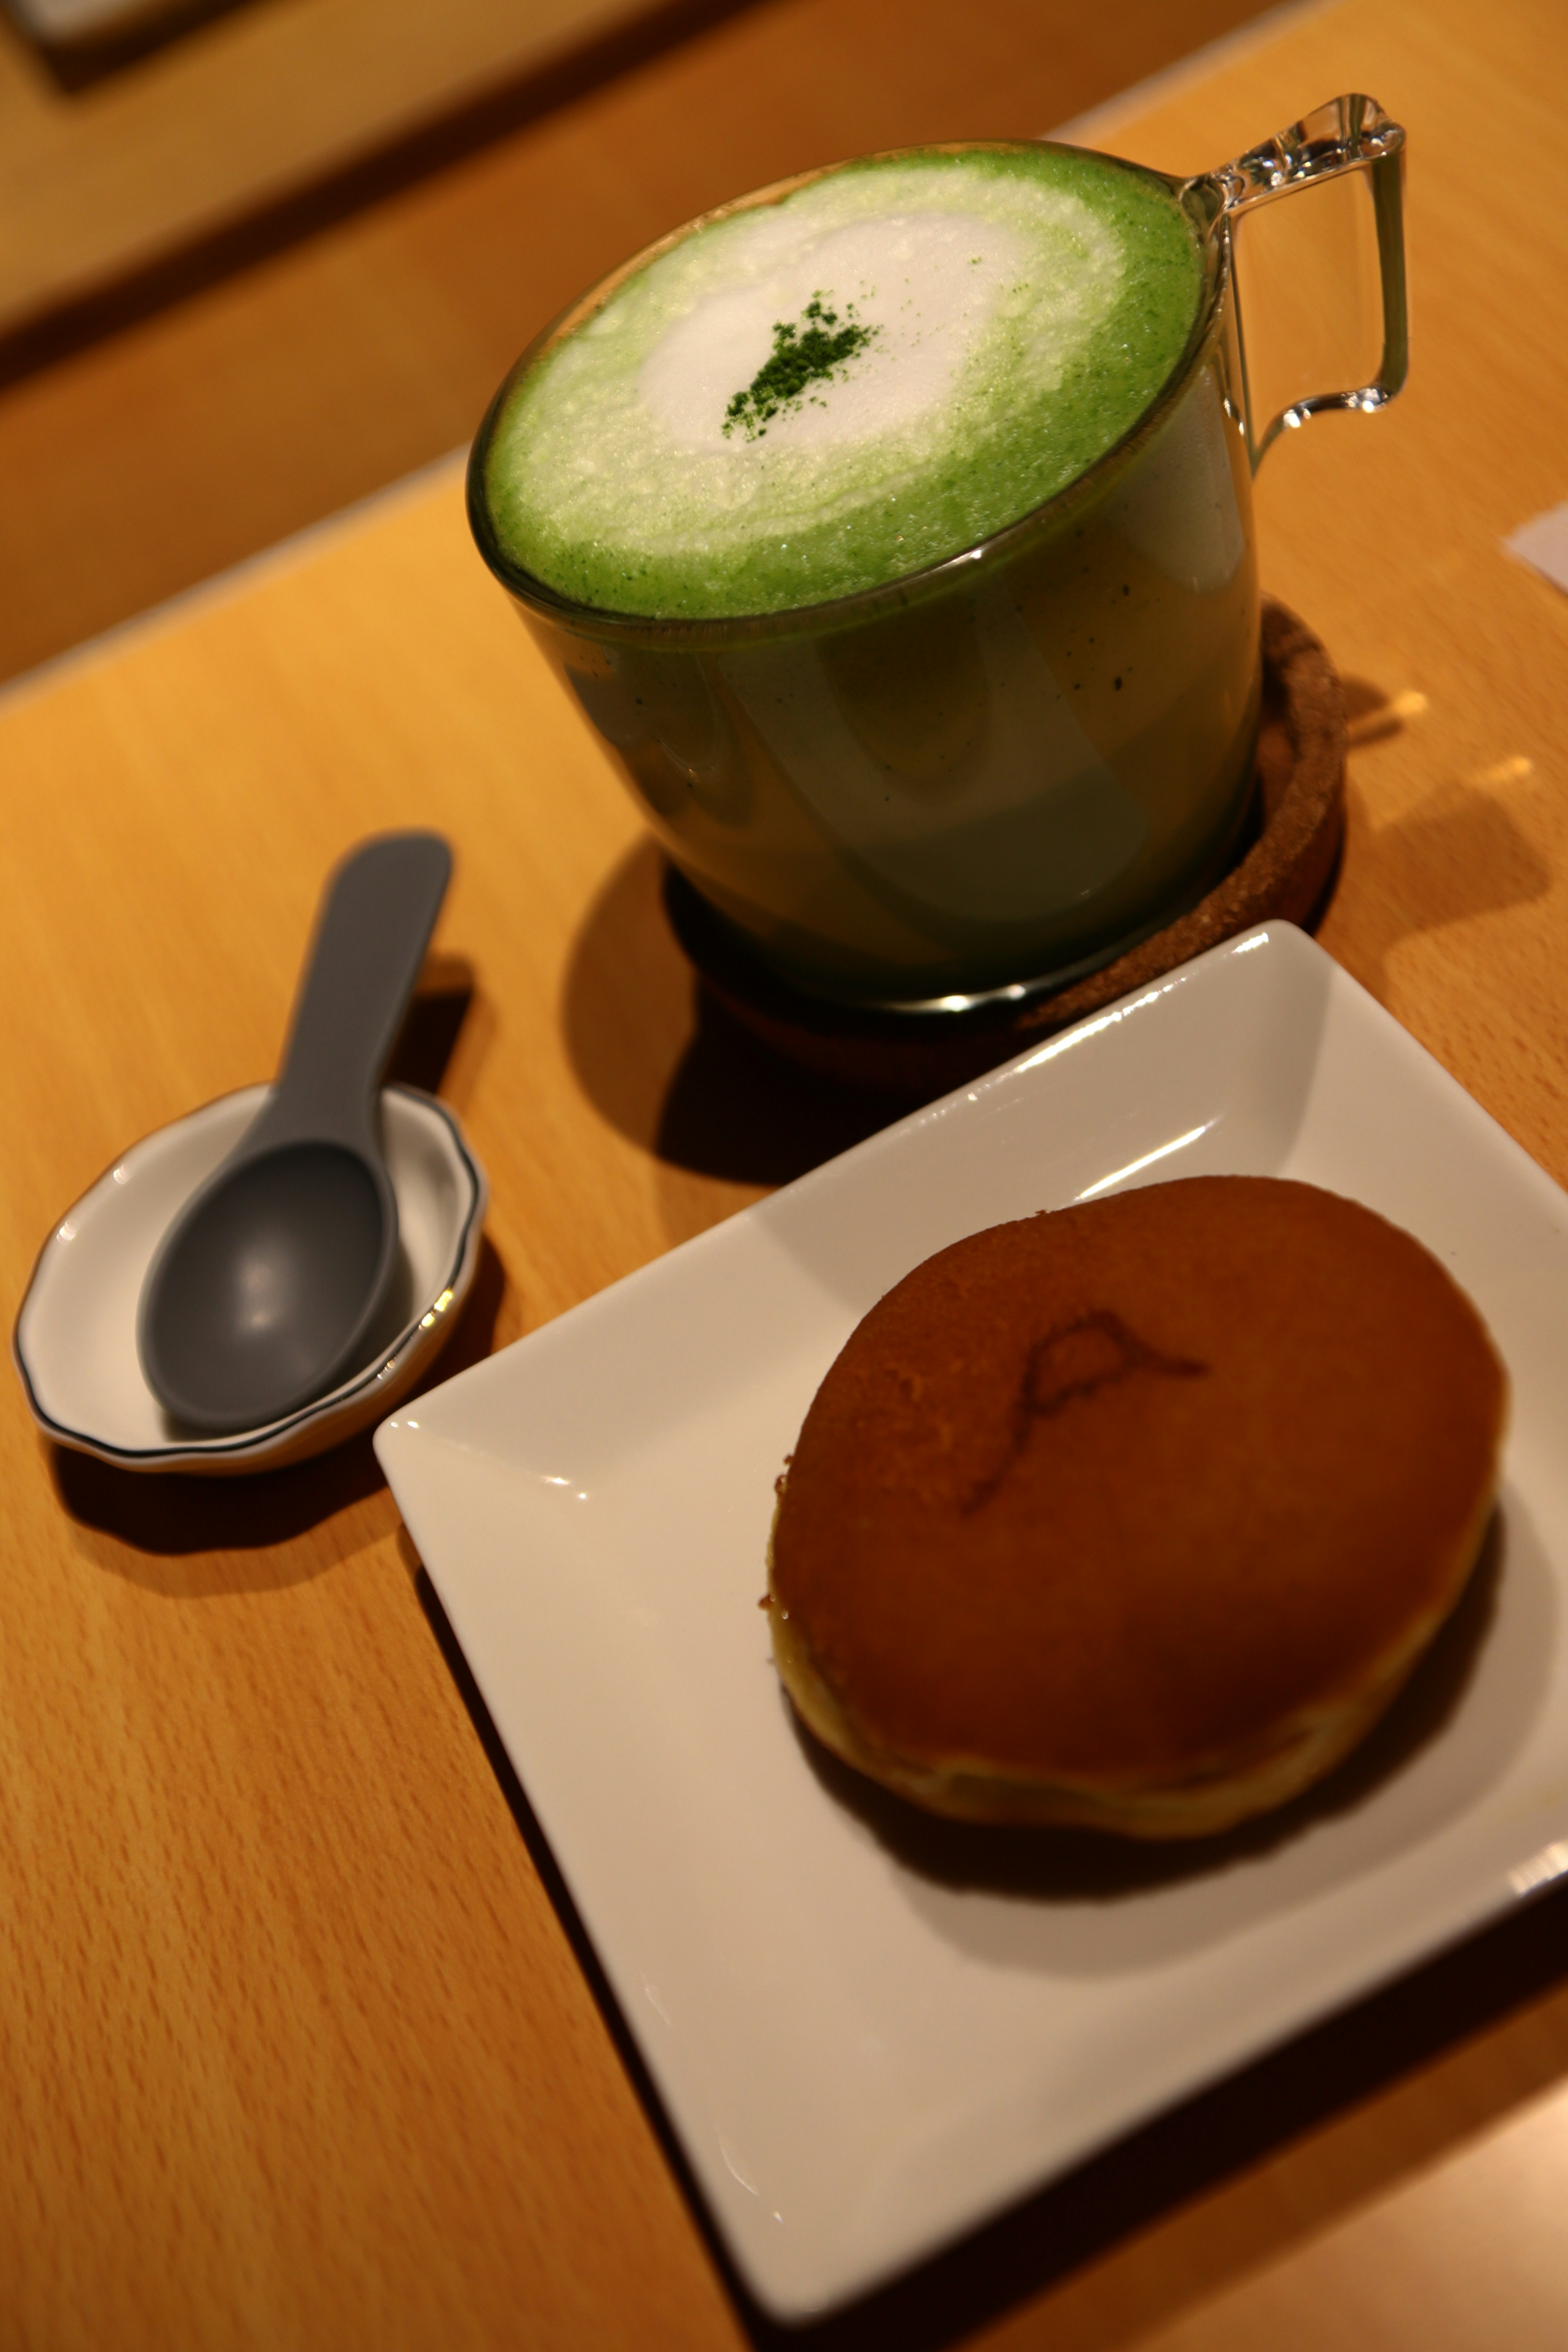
(917, 317)
(932, 285)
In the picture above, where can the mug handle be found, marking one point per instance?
(1350, 134)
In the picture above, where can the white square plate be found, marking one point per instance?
(868, 2040)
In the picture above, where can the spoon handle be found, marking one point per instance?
(376, 918)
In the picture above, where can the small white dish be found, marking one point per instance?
(869, 2038)
(75, 1341)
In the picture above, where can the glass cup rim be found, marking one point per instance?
(1199, 198)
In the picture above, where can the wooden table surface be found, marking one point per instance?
(298, 2043)
(244, 111)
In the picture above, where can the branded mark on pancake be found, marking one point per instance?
(1066, 1367)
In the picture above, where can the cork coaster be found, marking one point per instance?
(1283, 871)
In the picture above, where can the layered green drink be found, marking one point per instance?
(893, 528)
(804, 400)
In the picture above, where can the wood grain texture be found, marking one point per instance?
(295, 2047)
(256, 405)
(1482, 2236)
(287, 2000)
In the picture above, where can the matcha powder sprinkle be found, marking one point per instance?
(813, 351)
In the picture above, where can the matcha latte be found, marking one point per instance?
(814, 396)
(892, 528)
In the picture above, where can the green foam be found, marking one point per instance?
(1092, 277)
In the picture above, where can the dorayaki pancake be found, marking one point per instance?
(1136, 1514)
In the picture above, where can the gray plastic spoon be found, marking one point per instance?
(265, 1290)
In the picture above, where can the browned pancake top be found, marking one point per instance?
(1117, 1492)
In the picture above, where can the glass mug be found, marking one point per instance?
(995, 775)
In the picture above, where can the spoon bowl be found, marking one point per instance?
(280, 1272)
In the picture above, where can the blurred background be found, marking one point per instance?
(260, 257)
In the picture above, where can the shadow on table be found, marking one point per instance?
(443, 1003)
(193, 1538)
(667, 1068)
(737, 1111)
(1459, 851)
